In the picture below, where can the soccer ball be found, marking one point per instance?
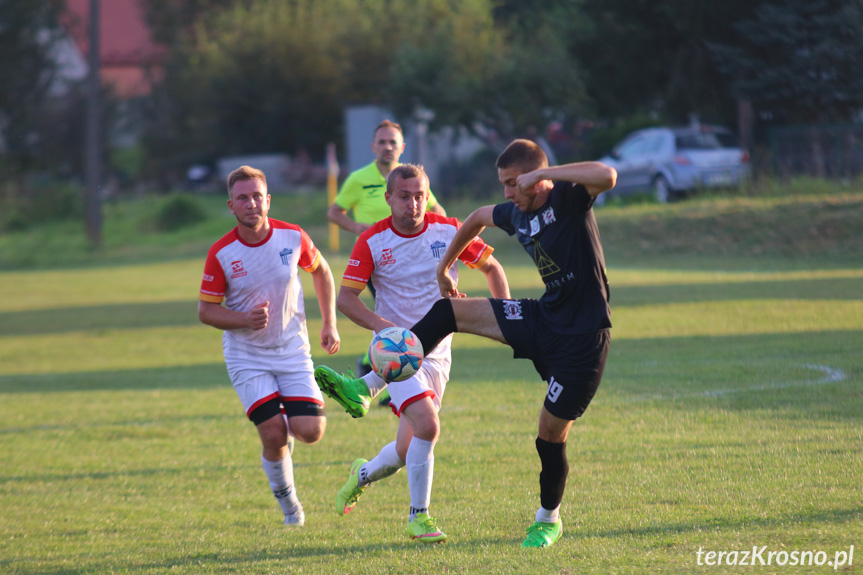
(396, 353)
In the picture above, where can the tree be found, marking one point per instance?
(28, 32)
(800, 60)
(509, 75)
(267, 76)
(655, 56)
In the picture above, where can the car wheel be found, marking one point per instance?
(662, 190)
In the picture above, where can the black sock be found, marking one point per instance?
(555, 468)
(435, 325)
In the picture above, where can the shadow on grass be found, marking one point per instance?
(209, 376)
(845, 289)
(115, 316)
(121, 316)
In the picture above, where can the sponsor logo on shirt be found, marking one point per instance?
(438, 248)
(237, 269)
(387, 257)
(354, 263)
(285, 254)
(208, 278)
(512, 309)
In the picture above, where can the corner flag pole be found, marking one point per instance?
(332, 189)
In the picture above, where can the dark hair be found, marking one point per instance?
(523, 154)
(244, 173)
(405, 172)
(387, 124)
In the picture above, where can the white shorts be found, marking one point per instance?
(429, 381)
(261, 374)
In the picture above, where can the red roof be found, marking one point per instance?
(128, 53)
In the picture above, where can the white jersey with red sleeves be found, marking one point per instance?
(404, 268)
(245, 276)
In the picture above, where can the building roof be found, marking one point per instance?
(129, 56)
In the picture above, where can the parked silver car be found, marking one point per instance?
(668, 162)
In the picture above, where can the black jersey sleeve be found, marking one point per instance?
(502, 217)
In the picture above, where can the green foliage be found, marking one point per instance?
(29, 31)
(641, 56)
(178, 211)
(799, 60)
(25, 205)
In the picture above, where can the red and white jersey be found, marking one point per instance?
(404, 268)
(245, 275)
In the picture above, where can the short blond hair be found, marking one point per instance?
(244, 173)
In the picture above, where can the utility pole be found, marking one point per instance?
(93, 142)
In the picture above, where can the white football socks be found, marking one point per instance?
(546, 516)
(375, 383)
(281, 476)
(419, 461)
(384, 464)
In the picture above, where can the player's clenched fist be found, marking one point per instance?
(259, 316)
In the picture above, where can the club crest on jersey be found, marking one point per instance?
(512, 309)
(387, 257)
(285, 254)
(438, 248)
(548, 216)
(237, 269)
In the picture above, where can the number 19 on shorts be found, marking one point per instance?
(554, 390)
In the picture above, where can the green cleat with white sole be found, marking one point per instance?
(543, 534)
(350, 392)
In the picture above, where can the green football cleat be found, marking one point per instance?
(424, 529)
(348, 495)
(543, 534)
(351, 393)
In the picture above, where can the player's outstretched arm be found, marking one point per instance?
(350, 304)
(496, 278)
(595, 176)
(473, 225)
(322, 278)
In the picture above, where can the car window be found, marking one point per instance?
(654, 144)
(632, 148)
(696, 141)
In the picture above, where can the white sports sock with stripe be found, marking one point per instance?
(419, 462)
(384, 464)
(281, 476)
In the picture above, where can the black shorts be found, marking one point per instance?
(571, 364)
(275, 406)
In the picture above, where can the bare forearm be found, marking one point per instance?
(325, 290)
(495, 277)
(339, 216)
(350, 304)
(473, 225)
(220, 317)
(595, 176)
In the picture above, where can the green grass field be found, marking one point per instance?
(730, 415)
